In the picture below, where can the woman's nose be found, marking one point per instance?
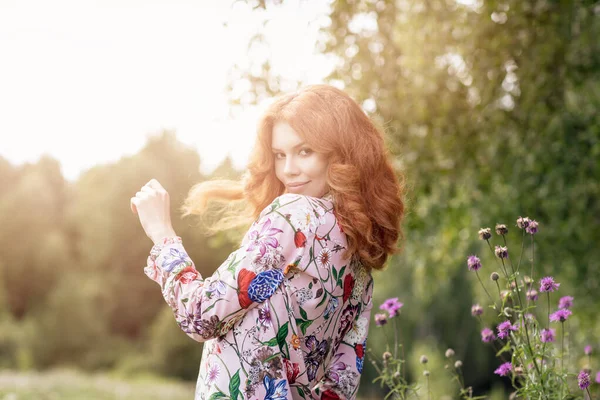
(290, 167)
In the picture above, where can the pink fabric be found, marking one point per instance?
(284, 317)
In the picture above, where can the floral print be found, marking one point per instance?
(284, 317)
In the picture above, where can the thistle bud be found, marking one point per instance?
(423, 360)
(425, 373)
(449, 353)
(494, 276)
(387, 355)
(485, 233)
(458, 364)
(501, 229)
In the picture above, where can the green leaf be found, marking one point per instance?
(271, 342)
(303, 313)
(335, 274)
(218, 395)
(342, 271)
(282, 336)
(300, 391)
(234, 385)
(303, 324)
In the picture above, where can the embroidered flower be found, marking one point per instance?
(317, 351)
(295, 341)
(264, 316)
(213, 374)
(299, 239)
(331, 307)
(187, 275)
(357, 332)
(264, 285)
(243, 279)
(306, 219)
(263, 238)
(324, 258)
(175, 259)
(348, 287)
(215, 288)
(292, 370)
(303, 295)
(274, 391)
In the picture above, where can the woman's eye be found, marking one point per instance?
(279, 156)
(305, 152)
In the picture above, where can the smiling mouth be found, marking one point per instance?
(297, 185)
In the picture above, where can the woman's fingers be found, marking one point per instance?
(154, 184)
(133, 203)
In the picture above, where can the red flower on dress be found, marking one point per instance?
(299, 239)
(292, 370)
(360, 350)
(330, 395)
(348, 286)
(187, 274)
(243, 279)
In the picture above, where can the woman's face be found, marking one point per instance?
(297, 166)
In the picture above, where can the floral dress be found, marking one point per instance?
(284, 317)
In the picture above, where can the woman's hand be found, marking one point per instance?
(152, 205)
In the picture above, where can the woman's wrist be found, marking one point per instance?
(158, 237)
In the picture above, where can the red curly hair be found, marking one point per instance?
(368, 195)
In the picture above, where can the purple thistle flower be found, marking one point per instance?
(587, 350)
(547, 335)
(522, 222)
(532, 228)
(532, 295)
(583, 379)
(565, 302)
(505, 328)
(380, 319)
(504, 369)
(547, 284)
(487, 335)
(598, 377)
(476, 310)
(501, 252)
(392, 306)
(473, 263)
(501, 229)
(560, 315)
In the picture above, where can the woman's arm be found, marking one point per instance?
(206, 308)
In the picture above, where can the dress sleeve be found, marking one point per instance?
(206, 308)
(342, 377)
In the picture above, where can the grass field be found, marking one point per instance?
(74, 385)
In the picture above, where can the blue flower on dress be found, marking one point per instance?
(360, 356)
(275, 391)
(174, 259)
(264, 285)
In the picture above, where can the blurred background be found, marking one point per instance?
(491, 112)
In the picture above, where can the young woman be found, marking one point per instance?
(286, 316)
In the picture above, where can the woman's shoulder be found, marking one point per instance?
(304, 212)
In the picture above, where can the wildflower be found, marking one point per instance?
(504, 369)
(423, 359)
(505, 328)
(458, 364)
(587, 350)
(565, 302)
(522, 222)
(473, 263)
(485, 233)
(528, 281)
(476, 310)
(494, 276)
(387, 355)
(501, 252)
(598, 377)
(547, 284)
(519, 370)
(487, 335)
(532, 228)
(547, 335)
(392, 306)
(532, 295)
(501, 229)
(583, 379)
(449, 353)
(425, 373)
(560, 315)
(396, 375)
(380, 319)
(505, 294)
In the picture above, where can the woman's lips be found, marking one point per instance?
(296, 186)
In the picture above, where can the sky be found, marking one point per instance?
(87, 81)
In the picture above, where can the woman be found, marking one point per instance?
(286, 315)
